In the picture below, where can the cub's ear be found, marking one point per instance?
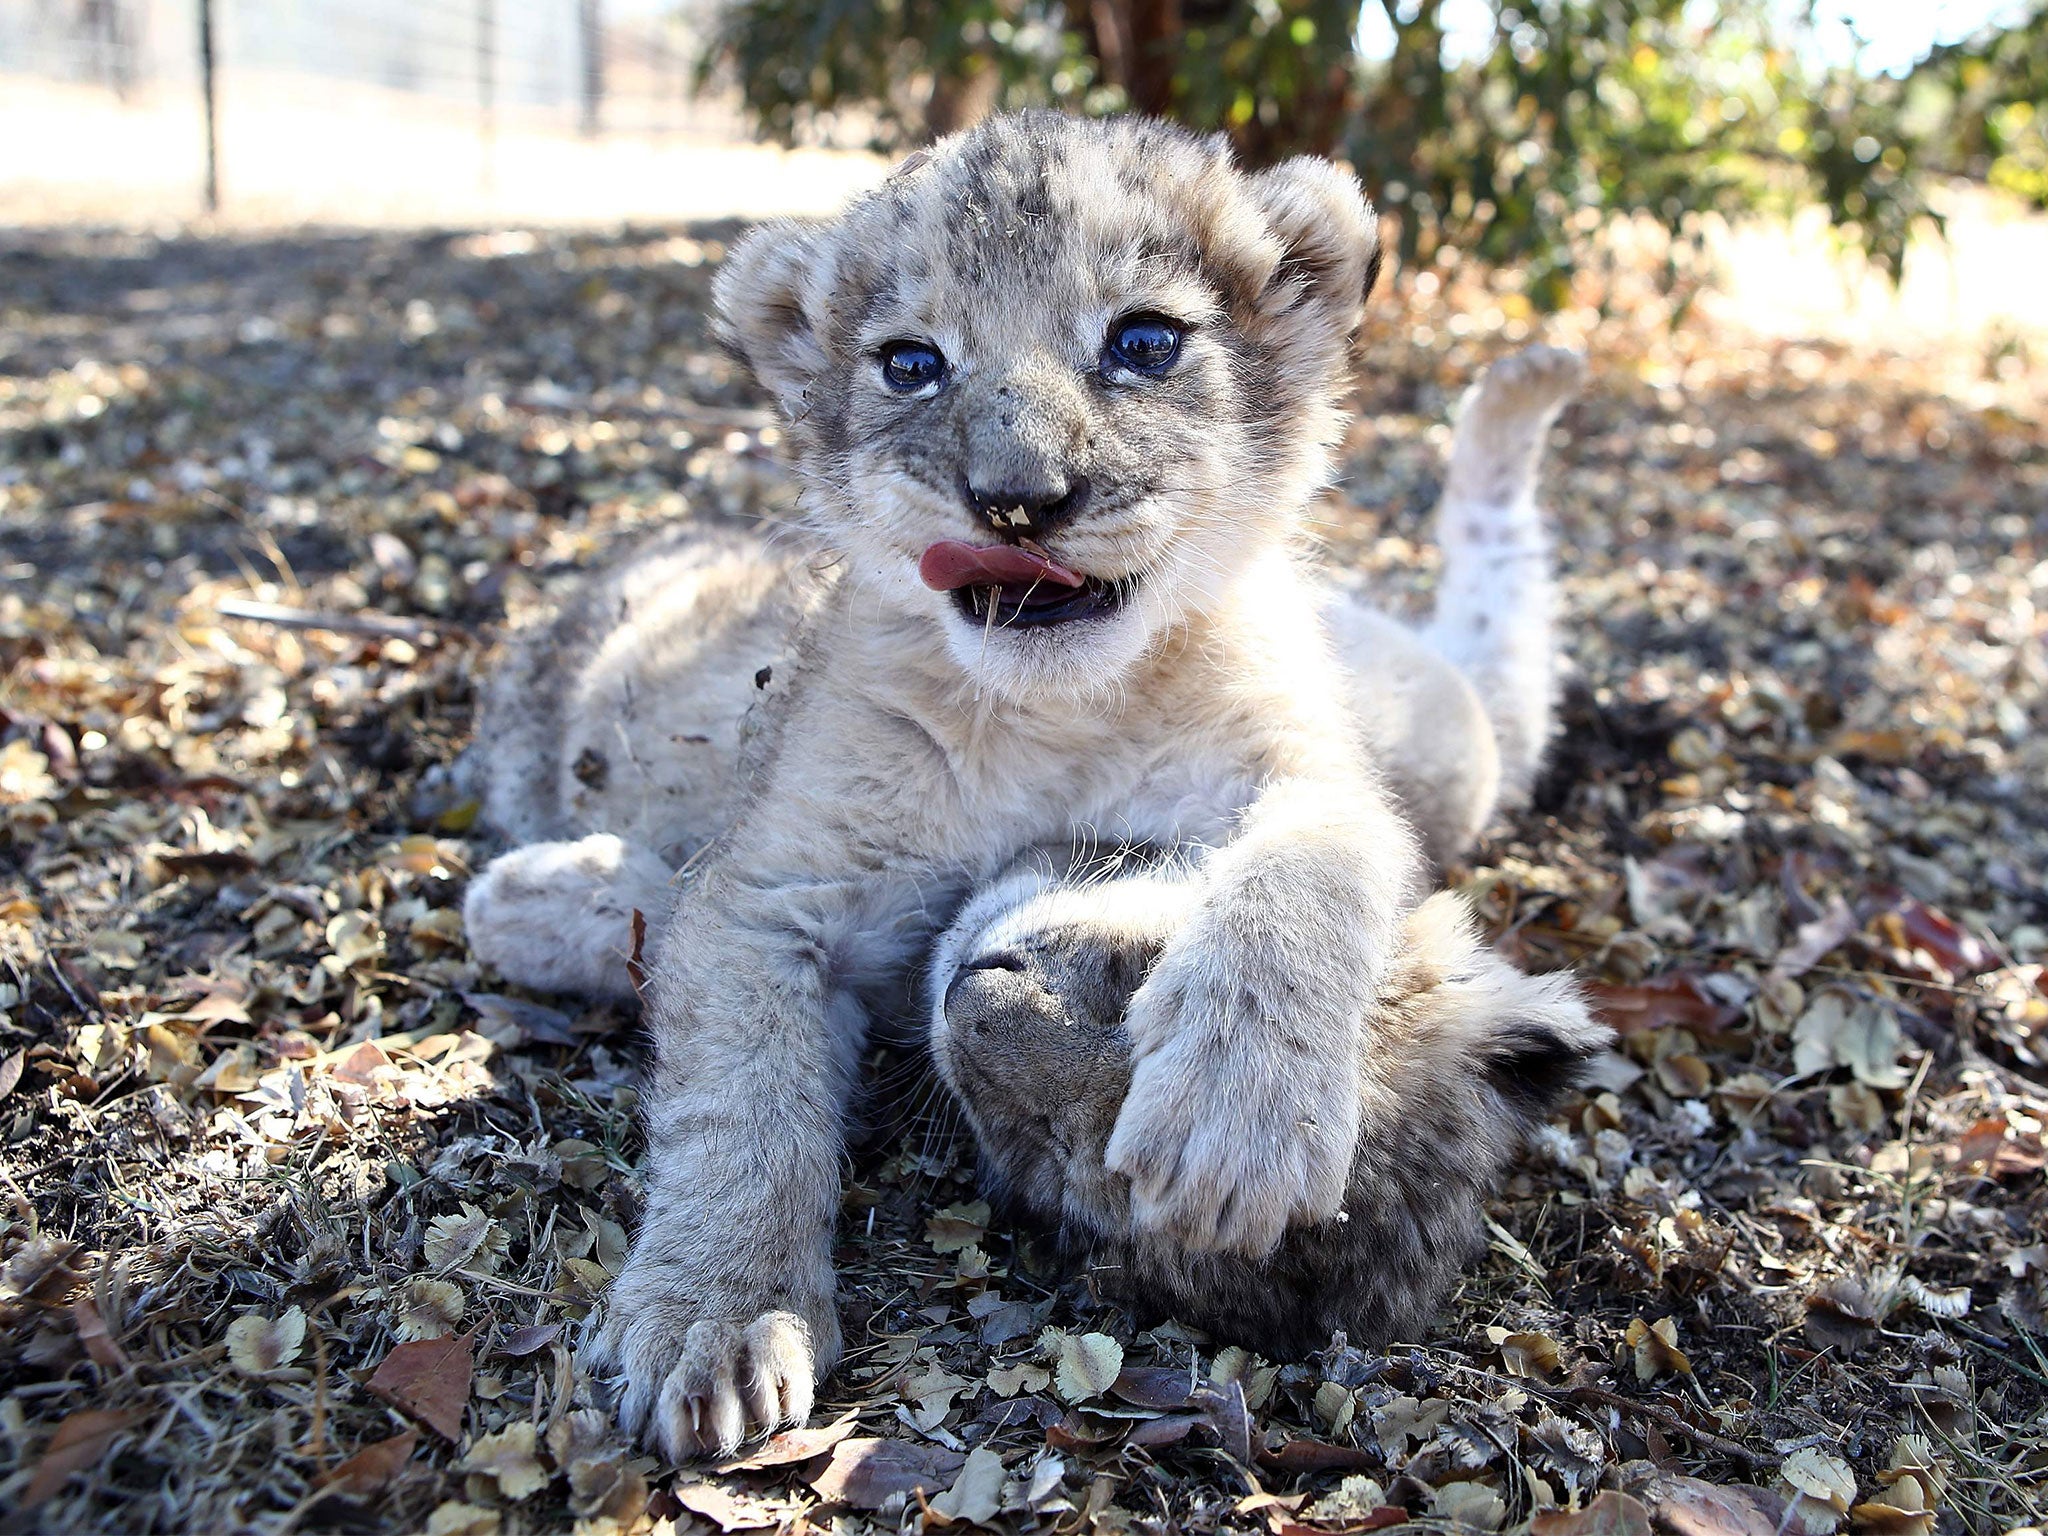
(1539, 1052)
(763, 314)
(1330, 236)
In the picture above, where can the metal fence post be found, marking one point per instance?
(487, 88)
(590, 18)
(209, 87)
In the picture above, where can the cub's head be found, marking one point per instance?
(1029, 989)
(1462, 1056)
(1056, 381)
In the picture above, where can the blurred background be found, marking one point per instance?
(1833, 163)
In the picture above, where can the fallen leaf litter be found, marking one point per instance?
(303, 1210)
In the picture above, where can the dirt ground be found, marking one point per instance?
(302, 1208)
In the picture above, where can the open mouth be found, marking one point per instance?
(1009, 587)
(1034, 606)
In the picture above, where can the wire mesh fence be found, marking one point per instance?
(326, 108)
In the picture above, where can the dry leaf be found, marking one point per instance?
(957, 1227)
(1407, 1418)
(1913, 1455)
(933, 1390)
(1334, 1406)
(258, 1344)
(508, 1456)
(1656, 1349)
(2001, 1152)
(1934, 1301)
(1855, 1107)
(25, 775)
(1685, 1506)
(1820, 1488)
(865, 1473)
(794, 1445)
(428, 1309)
(429, 1381)
(355, 940)
(1009, 1380)
(455, 1518)
(1472, 1504)
(1084, 1365)
(1612, 1513)
(466, 1239)
(1842, 1315)
(1915, 925)
(40, 1270)
(1525, 1354)
(520, 1342)
(602, 1477)
(1903, 1509)
(1684, 1075)
(1299, 1458)
(1817, 939)
(515, 1021)
(80, 1441)
(1231, 1363)
(92, 1333)
(729, 1509)
(1568, 1450)
(977, 1493)
(1677, 1000)
(1857, 1032)
(373, 1467)
(1355, 1498)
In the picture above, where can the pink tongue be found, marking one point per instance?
(951, 564)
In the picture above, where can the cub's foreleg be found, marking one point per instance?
(1244, 1102)
(1493, 613)
(723, 1322)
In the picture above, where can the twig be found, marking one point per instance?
(1658, 1414)
(382, 626)
(1706, 1439)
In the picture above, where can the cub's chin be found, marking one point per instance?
(1084, 655)
(1461, 1058)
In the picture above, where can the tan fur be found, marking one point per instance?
(913, 753)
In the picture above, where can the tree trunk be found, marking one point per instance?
(1154, 29)
(961, 100)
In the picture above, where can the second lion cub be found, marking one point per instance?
(1460, 1058)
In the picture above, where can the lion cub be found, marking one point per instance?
(1060, 392)
(1461, 1056)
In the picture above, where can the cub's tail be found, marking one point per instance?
(1493, 611)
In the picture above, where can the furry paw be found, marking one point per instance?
(1226, 1148)
(558, 917)
(1530, 383)
(694, 1386)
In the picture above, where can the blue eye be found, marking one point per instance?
(908, 366)
(1142, 344)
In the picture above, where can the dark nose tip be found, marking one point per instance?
(1025, 511)
(978, 991)
(998, 960)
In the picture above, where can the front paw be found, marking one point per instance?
(697, 1379)
(1227, 1147)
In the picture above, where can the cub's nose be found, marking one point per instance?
(1027, 510)
(993, 994)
